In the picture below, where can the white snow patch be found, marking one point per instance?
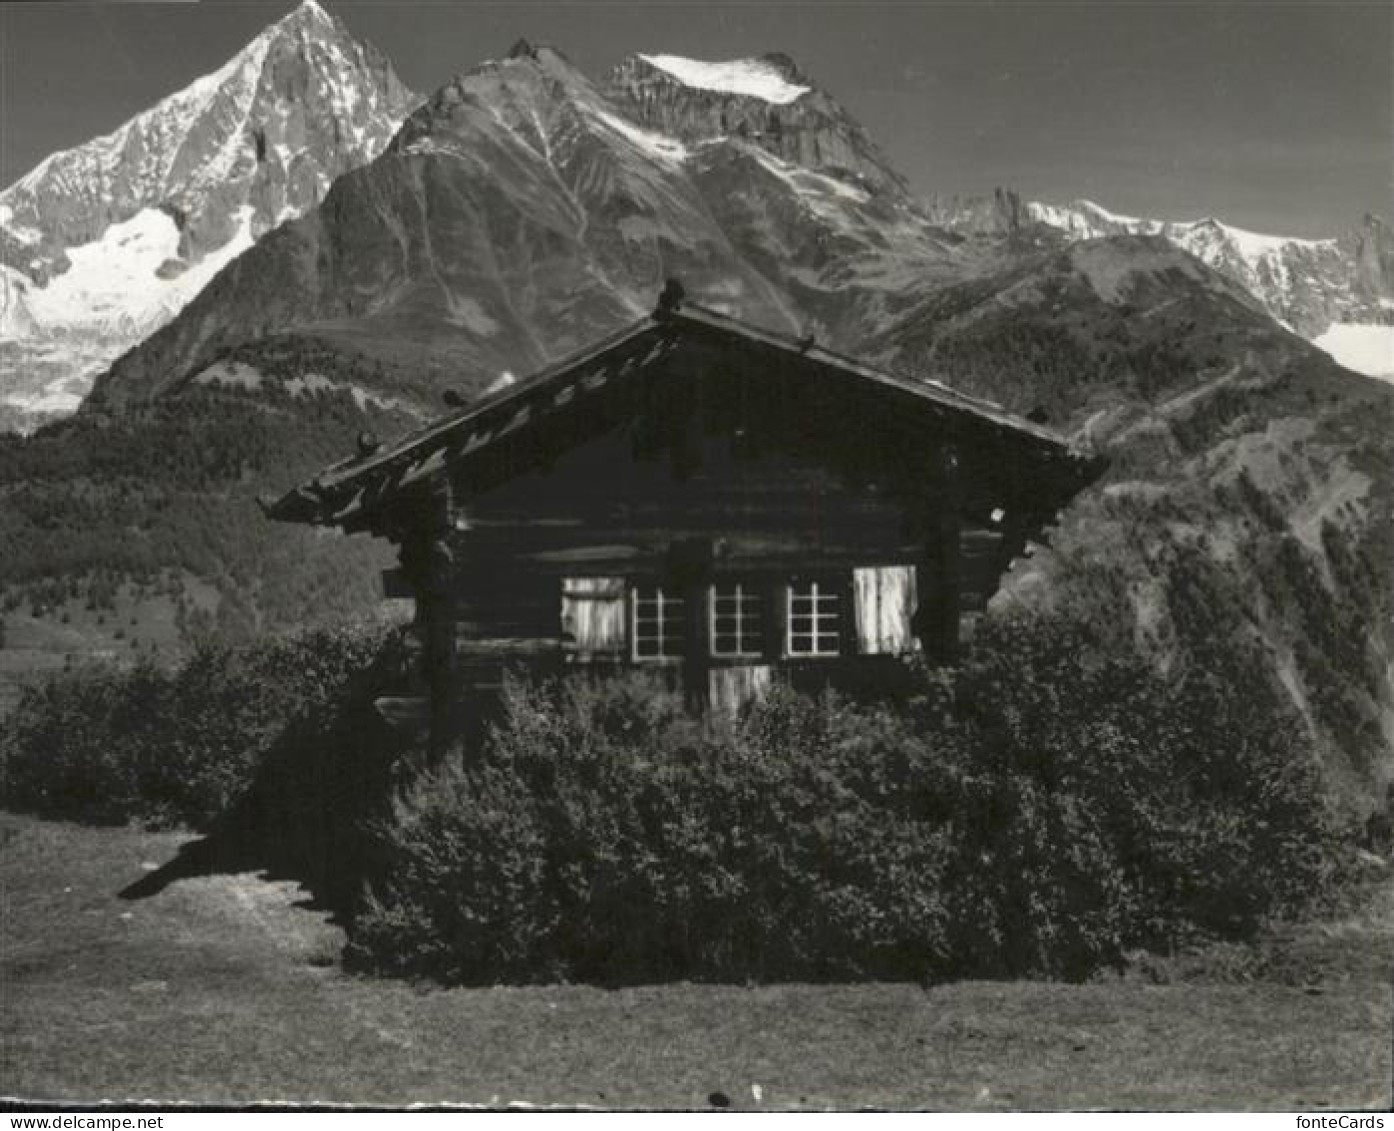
(319, 383)
(465, 311)
(235, 374)
(310, 383)
(1364, 347)
(112, 286)
(806, 182)
(753, 78)
(22, 233)
(16, 320)
(58, 402)
(654, 144)
(238, 374)
(1085, 218)
(1113, 217)
(1255, 245)
(425, 147)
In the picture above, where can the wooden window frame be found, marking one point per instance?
(671, 623)
(749, 641)
(816, 591)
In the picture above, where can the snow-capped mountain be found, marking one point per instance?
(764, 100)
(1337, 292)
(102, 244)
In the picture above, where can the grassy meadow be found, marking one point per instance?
(225, 988)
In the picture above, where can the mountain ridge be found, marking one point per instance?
(66, 333)
(1309, 285)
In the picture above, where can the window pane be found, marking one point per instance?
(734, 621)
(658, 624)
(813, 614)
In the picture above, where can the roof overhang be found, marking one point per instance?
(347, 493)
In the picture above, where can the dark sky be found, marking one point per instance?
(1273, 116)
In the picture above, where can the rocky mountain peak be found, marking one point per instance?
(786, 66)
(308, 12)
(1371, 245)
(1375, 224)
(114, 236)
(522, 50)
(300, 103)
(766, 100)
(510, 100)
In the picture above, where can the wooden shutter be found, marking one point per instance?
(593, 618)
(885, 601)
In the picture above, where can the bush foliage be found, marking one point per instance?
(1042, 812)
(178, 747)
(1045, 810)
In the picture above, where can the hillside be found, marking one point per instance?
(140, 533)
(1244, 522)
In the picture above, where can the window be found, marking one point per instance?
(657, 623)
(812, 616)
(734, 622)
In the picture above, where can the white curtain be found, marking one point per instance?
(593, 617)
(885, 601)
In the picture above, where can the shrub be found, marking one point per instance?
(107, 744)
(1044, 811)
(605, 834)
(1146, 811)
(75, 744)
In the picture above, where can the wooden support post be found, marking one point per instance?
(689, 572)
(774, 591)
(696, 660)
(936, 620)
(428, 565)
(846, 615)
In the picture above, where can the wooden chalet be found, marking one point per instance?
(724, 504)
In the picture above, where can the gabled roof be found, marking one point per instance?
(343, 493)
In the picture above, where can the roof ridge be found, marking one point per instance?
(929, 388)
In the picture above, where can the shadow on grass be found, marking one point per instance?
(307, 815)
